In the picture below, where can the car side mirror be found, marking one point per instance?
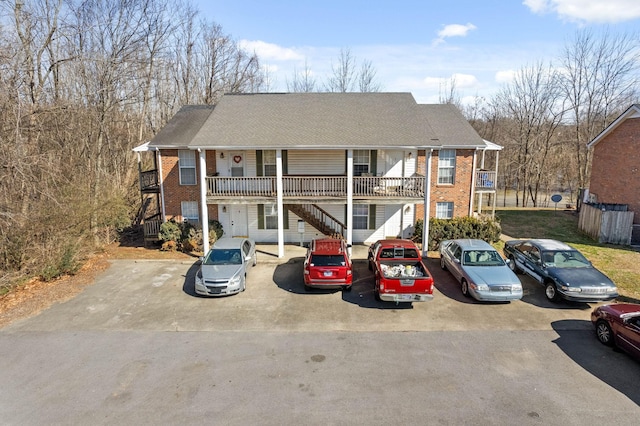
(455, 259)
(201, 259)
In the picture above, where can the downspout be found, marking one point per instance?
(473, 183)
(203, 201)
(279, 189)
(161, 182)
(495, 189)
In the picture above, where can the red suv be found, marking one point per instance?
(327, 265)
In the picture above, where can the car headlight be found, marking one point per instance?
(235, 280)
(571, 289)
(482, 287)
(199, 277)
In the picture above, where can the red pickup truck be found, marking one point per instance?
(400, 274)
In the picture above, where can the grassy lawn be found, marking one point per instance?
(620, 263)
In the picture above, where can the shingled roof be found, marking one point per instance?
(318, 121)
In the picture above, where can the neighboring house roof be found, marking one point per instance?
(318, 121)
(632, 112)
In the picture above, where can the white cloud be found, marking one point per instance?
(505, 76)
(597, 11)
(453, 30)
(270, 51)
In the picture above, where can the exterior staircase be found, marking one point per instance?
(319, 219)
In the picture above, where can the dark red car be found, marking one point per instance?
(328, 265)
(618, 324)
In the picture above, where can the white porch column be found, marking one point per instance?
(161, 183)
(495, 187)
(279, 189)
(427, 202)
(204, 211)
(349, 218)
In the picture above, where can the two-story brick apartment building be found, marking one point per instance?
(285, 168)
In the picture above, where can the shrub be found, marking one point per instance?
(215, 227)
(461, 227)
(170, 231)
(67, 264)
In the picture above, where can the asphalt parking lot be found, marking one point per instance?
(159, 295)
(139, 347)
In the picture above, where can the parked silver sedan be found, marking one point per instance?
(480, 270)
(224, 269)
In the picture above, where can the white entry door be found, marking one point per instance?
(239, 222)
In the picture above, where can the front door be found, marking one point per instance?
(239, 226)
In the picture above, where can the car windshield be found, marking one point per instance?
(223, 257)
(482, 258)
(327, 260)
(565, 259)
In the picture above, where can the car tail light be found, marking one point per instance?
(349, 272)
(306, 271)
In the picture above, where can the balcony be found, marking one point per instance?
(149, 181)
(304, 189)
(485, 181)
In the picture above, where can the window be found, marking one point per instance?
(270, 216)
(444, 210)
(360, 216)
(361, 162)
(446, 166)
(269, 162)
(190, 211)
(187, 163)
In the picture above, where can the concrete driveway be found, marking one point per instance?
(159, 295)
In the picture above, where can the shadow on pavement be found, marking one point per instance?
(576, 338)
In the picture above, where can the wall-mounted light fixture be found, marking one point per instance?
(410, 155)
(224, 209)
(222, 155)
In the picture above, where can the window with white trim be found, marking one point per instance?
(361, 162)
(360, 216)
(444, 210)
(187, 164)
(269, 162)
(271, 216)
(446, 166)
(190, 211)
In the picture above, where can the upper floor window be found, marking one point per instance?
(444, 210)
(446, 166)
(269, 162)
(361, 162)
(187, 163)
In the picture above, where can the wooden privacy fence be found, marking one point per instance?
(607, 223)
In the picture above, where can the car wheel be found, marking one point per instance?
(464, 286)
(370, 267)
(376, 294)
(551, 292)
(512, 265)
(442, 264)
(255, 259)
(604, 333)
(307, 288)
(346, 288)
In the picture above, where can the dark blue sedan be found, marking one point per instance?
(563, 271)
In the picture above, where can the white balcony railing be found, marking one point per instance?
(316, 186)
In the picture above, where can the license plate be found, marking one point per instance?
(328, 273)
(404, 297)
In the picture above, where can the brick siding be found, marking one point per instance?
(615, 167)
(459, 193)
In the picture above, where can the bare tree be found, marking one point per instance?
(367, 78)
(303, 81)
(531, 106)
(600, 80)
(343, 77)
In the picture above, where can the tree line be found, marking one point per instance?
(545, 117)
